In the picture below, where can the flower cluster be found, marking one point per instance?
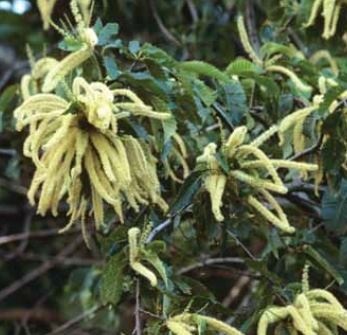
(313, 311)
(331, 14)
(259, 173)
(78, 152)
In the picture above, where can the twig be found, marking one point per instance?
(161, 25)
(245, 249)
(236, 290)
(65, 261)
(46, 266)
(210, 261)
(137, 329)
(77, 319)
(27, 223)
(13, 187)
(308, 150)
(158, 229)
(250, 22)
(192, 10)
(36, 314)
(35, 234)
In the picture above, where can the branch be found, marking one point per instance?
(210, 261)
(35, 234)
(158, 229)
(36, 314)
(77, 319)
(46, 266)
(161, 25)
(137, 329)
(308, 150)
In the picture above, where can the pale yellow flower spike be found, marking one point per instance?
(215, 185)
(325, 54)
(268, 215)
(328, 12)
(245, 41)
(64, 67)
(262, 138)
(46, 8)
(188, 322)
(291, 75)
(314, 13)
(134, 257)
(257, 182)
(178, 328)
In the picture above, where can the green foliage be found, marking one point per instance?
(185, 58)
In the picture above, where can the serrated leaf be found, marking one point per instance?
(111, 67)
(323, 263)
(108, 33)
(205, 93)
(234, 97)
(111, 285)
(134, 47)
(153, 258)
(203, 68)
(242, 66)
(157, 55)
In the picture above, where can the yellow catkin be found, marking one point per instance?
(303, 306)
(335, 19)
(235, 139)
(215, 185)
(314, 13)
(290, 120)
(268, 215)
(256, 182)
(323, 295)
(325, 55)
(246, 150)
(298, 136)
(134, 255)
(262, 138)
(142, 110)
(94, 178)
(282, 163)
(178, 328)
(220, 326)
(245, 41)
(324, 329)
(291, 75)
(64, 67)
(328, 12)
(25, 86)
(104, 158)
(46, 8)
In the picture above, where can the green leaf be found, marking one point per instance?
(107, 34)
(134, 47)
(242, 66)
(157, 55)
(323, 263)
(334, 208)
(153, 258)
(6, 100)
(204, 69)
(235, 101)
(169, 127)
(186, 193)
(111, 67)
(205, 93)
(111, 286)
